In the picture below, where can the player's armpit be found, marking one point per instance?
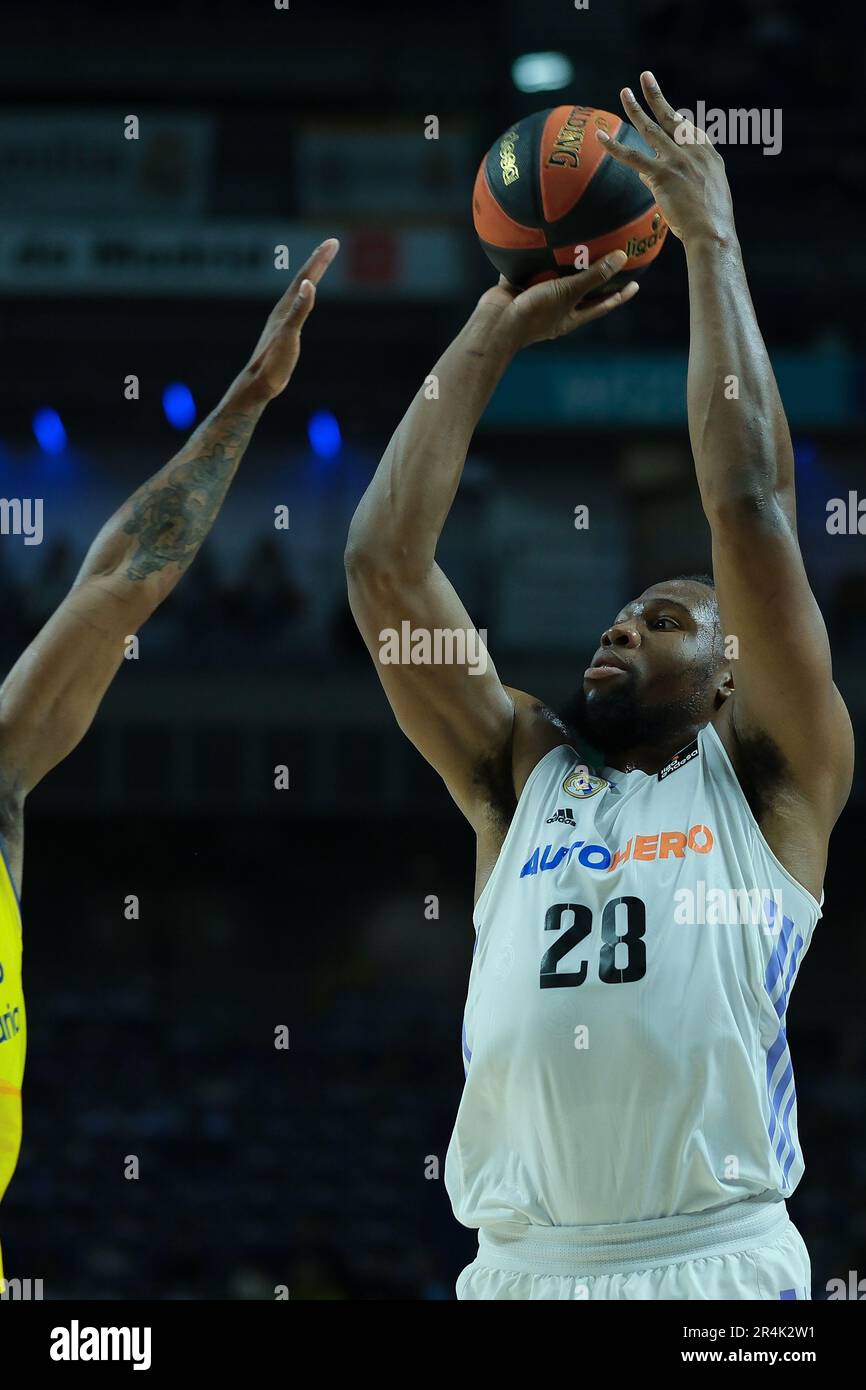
(780, 655)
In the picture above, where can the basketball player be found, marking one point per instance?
(51, 695)
(628, 1127)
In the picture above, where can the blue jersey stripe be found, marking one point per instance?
(780, 974)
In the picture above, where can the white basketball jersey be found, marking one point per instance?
(624, 1034)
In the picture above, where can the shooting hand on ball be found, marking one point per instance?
(687, 176)
(556, 307)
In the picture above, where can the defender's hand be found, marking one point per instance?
(278, 349)
(555, 307)
(687, 178)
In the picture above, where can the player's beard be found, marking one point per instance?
(619, 722)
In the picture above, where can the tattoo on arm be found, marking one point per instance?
(173, 512)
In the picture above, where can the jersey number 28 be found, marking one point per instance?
(622, 957)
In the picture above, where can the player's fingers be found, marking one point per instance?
(654, 137)
(299, 309)
(313, 269)
(574, 288)
(559, 296)
(667, 117)
(624, 154)
(318, 263)
(586, 314)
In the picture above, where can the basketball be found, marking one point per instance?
(548, 199)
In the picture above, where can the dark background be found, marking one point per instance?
(306, 908)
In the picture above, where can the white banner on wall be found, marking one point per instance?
(69, 164)
(232, 259)
(348, 168)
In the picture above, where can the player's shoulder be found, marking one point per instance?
(538, 729)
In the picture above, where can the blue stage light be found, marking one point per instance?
(323, 432)
(805, 454)
(49, 431)
(179, 406)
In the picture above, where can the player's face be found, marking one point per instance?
(660, 649)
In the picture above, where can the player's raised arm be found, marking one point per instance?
(457, 714)
(51, 695)
(745, 471)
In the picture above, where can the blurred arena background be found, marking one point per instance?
(312, 1167)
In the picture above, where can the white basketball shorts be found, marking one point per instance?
(748, 1250)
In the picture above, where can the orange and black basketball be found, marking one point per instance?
(549, 199)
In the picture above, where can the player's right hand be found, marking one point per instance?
(556, 307)
(278, 349)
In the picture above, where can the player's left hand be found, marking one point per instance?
(687, 178)
(279, 347)
(556, 307)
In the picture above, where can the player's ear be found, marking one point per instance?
(725, 688)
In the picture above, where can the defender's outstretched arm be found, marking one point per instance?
(51, 695)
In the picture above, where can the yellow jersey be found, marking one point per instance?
(13, 1032)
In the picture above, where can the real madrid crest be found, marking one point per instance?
(583, 783)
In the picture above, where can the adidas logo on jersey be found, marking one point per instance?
(565, 817)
